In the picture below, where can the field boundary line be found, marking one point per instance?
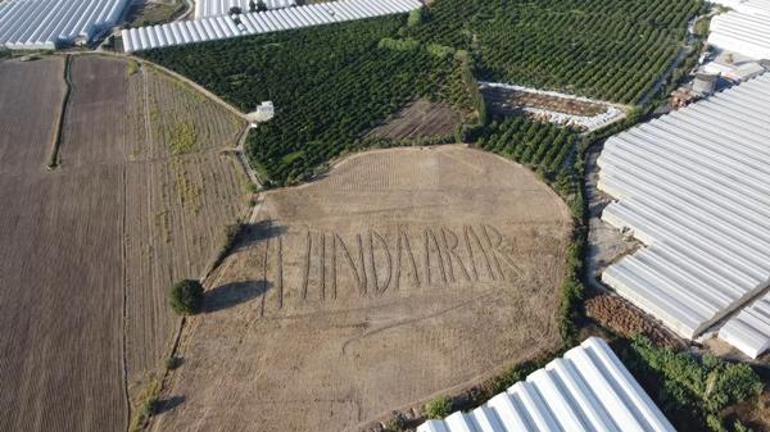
(171, 74)
(53, 157)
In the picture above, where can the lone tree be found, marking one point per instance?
(186, 297)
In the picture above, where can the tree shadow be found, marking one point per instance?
(252, 233)
(169, 404)
(232, 294)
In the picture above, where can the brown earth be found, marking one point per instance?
(421, 119)
(402, 275)
(508, 102)
(623, 318)
(89, 249)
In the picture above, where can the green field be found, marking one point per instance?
(333, 84)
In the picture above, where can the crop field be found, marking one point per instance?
(325, 313)
(420, 120)
(608, 49)
(139, 198)
(334, 86)
(331, 85)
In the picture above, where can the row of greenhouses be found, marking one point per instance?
(51, 24)
(589, 389)
(693, 187)
(244, 24)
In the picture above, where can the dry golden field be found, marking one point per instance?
(403, 274)
(139, 199)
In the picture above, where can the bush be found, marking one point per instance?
(186, 297)
(415, 18)
(692, 388)
(173, 362)
(438, 408)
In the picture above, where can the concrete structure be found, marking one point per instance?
(735, 72)
(223, 27)
(209, 8)
(50, 24)
(264, 112)
(693, 186)
(745, 30)
(704, 83)
(588, 389)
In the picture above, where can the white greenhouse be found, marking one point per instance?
(745, 30)
(693, 187)
(588, 389)
(224, 27)
(50, 24)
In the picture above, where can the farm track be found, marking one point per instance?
(92, 246)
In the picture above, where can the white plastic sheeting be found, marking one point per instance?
(749, 331)
(588, 389)
(48, 24)
(209, 8)
(224, 27)
(747, 6)
(746, 30)
(694, 186)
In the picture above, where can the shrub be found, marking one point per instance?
(173, 362)
(186, 297)
(415, 18)
(438, 408)
(697, 388)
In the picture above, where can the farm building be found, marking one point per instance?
(210, 8)
(224, 27)
(745, 30)
(692, 186)
(588, 389)
(50, 24)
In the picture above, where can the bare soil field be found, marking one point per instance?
(90, 248)
(509, 102)
(404, 274)
(421, 119)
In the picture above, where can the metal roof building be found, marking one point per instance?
(209, 8)
(693, 186)
(588, 389)
(746, 30)
(224, 27)
(49, 24)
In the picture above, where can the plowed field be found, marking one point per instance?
(87, 251)
(401, 275)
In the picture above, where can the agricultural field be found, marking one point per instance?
(139, 198)
(402, 274)
(421, 120)
(331, 85)
(612, 50)
(509, 102)
(334, 86)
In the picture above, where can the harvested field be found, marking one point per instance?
(90, 248)
(421, 119)
(403, 274)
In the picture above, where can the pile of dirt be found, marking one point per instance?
(625, 319)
